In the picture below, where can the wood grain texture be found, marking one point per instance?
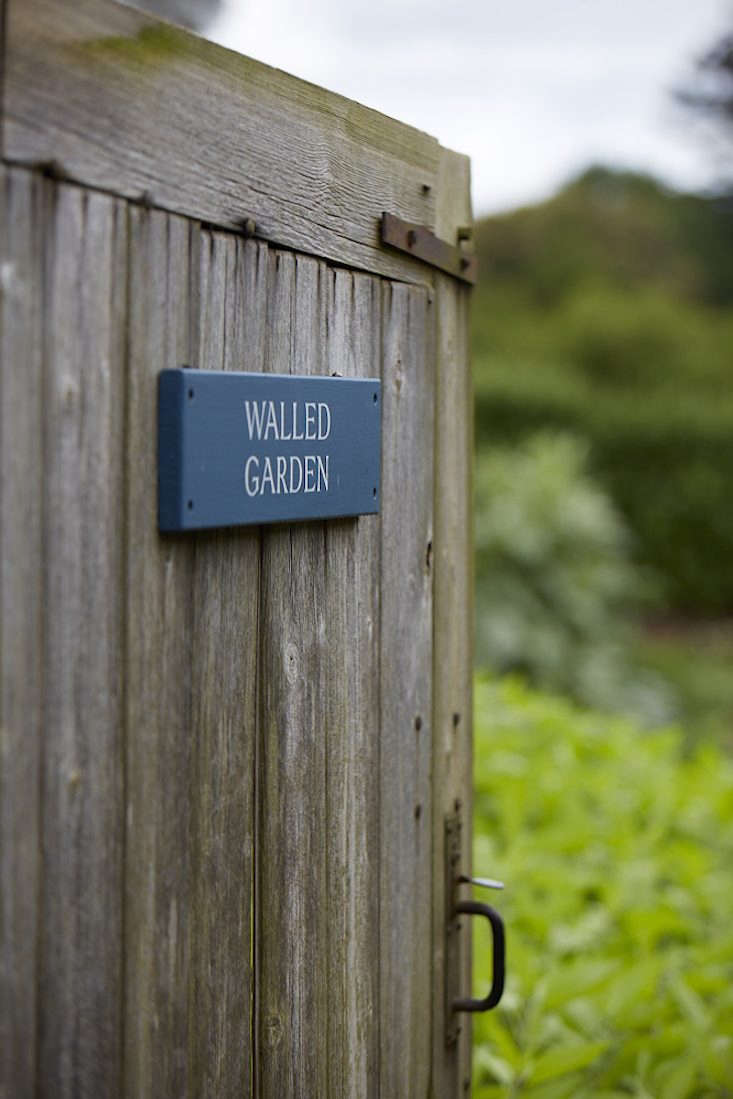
(3, 24)
(406, 694)
(452, 653)
(352, 730)
(226, 758)
(318, 866)
(127, 104)
(21, 621)
(453, 195)
(224, 678)
(292, 911)
(160, 747)
(81, 889)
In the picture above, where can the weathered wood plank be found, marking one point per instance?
(453, 613)
(307, 704)
(352, 731)
(453, 195)
(21, 621)
(3, 25)
(224, 678)
(160, 600)
(125, 103)
(452, 653)
(82, 812)
(293, 934)
(406, 694)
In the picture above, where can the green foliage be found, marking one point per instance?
(608, 312)
(554, 581)
(617, 851)
(616, 229)
(698, 659)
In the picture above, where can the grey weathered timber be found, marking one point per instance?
(21, 622)
(452, 660)
(353, 722)
(318, 870)
(292, 871)
(224, 631)
(241, 140)
(80, 948)
(225, 757)
(453, 197)
(159, 886)
(406, 693)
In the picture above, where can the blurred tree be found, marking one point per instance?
(712, 93)
(195, 15)
(709, 94)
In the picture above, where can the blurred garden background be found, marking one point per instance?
(603, 362)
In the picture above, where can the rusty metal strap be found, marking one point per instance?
(418, 241)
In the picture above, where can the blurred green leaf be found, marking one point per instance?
(569, 1058)
(677, 1080)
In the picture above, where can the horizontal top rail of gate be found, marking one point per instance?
(117, 100)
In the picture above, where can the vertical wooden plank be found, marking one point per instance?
(224, 678)
(293, 997)
(452, 654)
(81, 889)
(252, 319)
(160, 596)
(21, 627)
(3, 68)
(406, 690)
(352, 730)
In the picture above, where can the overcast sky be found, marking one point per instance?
(532, 90)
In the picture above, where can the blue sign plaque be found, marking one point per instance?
(265, 448)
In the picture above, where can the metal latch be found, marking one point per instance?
(455, 908)
(418, 241)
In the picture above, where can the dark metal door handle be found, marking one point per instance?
(476, 908)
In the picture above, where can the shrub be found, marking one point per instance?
(617, 851)
(554, 580)
(664, 456)
(608, 312)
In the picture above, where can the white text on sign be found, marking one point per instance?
(287, 421)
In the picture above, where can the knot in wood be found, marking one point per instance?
(291, 663)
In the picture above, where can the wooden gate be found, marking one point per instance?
(227, 758)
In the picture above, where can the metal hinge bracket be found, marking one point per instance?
(418, 241)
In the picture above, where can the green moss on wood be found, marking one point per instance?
(151, 47)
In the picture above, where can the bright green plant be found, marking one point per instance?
(617, 851)
(554, 579)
